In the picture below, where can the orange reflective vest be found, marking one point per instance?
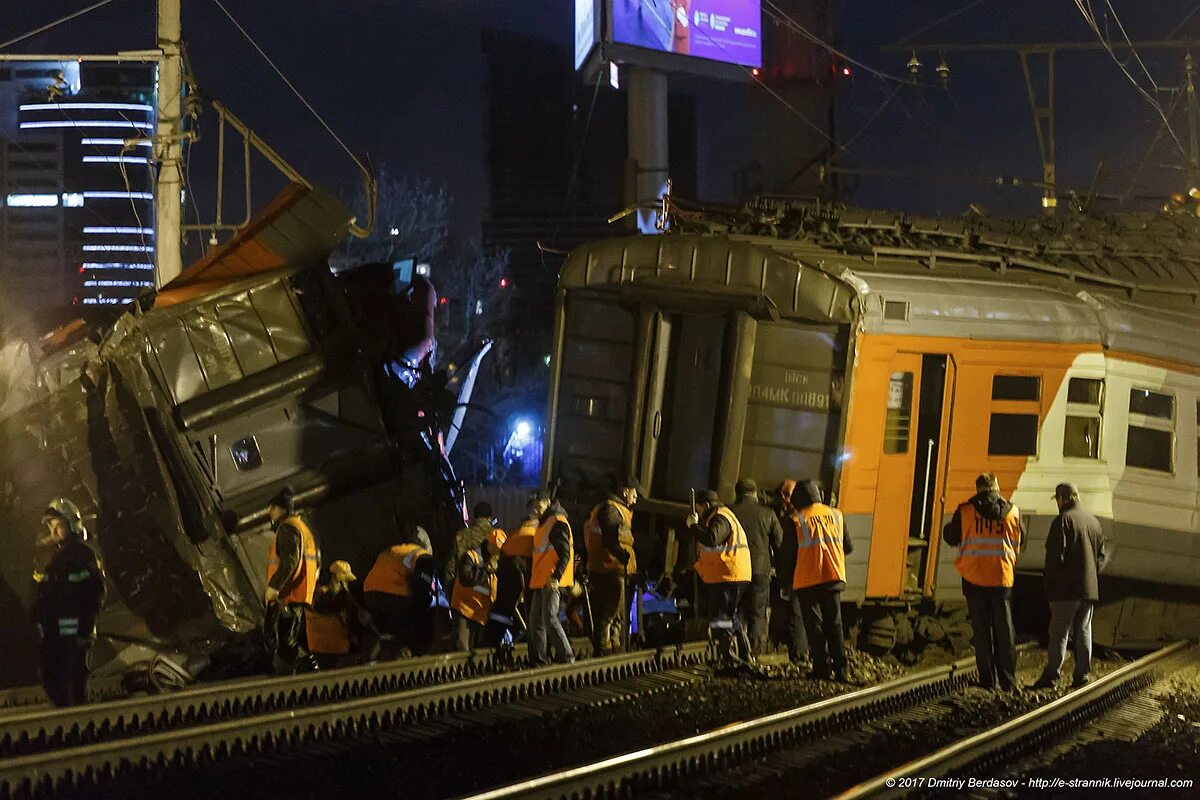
(302, 583)
(820, 554)
(600, 560)
(520, 543)
(393, 570)
(728, 562)
(989, 548)
(327, 633)
(545, 557)
(474, 602)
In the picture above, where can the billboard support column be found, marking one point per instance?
(168, 146)
(647, 134)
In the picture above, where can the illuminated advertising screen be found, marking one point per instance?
(585, 29)
(729, 31)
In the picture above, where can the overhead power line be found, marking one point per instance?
(940, 20)
(54, 24)
(1090, 18)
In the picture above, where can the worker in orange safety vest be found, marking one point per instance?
(399, 591)
(474, 590)
(512, 574)
(819, 578)
(553, 571)
(989, 535)
(293, 562)
(338, 627)
(608, 537)
(723, 564)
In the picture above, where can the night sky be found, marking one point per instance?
(404, 80)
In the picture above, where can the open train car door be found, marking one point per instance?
(908, 501)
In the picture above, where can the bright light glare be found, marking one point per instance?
(32, 200)
(523, 429)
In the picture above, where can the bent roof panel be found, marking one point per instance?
(716, 265)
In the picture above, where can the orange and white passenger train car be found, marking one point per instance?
(896, 358)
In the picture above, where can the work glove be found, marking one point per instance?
(693, 519)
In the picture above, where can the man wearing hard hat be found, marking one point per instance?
(68, 595)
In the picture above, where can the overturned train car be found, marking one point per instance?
(895, 358)
(171, 426)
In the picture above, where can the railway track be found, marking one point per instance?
(757, 757)
(73, 748)
(730, 760)
(985, 756)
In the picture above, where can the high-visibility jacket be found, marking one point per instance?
(820, 550)
(545, 557)
(728, 562)
(474, 601)
(302, 583)
(393, 570)
(989, 548)
(599, 559)
(520, 541)
(327, 632)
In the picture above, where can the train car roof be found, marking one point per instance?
(1130, 282)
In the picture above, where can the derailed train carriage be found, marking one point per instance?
(895, 358)
(173, 424)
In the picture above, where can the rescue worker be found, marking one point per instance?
(723, 564)
(608, 537)
(764, 535)
(989, 533)
(475, 591)
(553, 572)
(67, 597)
(468, 538)
(820, 578)
(292, 566)
(338, 627)
(1076, 552)
(785, 570)
(399, 591)
(512, 575)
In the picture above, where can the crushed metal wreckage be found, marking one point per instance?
(171, 425)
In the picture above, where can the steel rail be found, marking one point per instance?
(24, 730)
(276, 730)
(620, 775)
(997, 745)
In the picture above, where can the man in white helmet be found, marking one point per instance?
(68, 595)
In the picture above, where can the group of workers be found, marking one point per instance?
(990, 534)
(500, 583)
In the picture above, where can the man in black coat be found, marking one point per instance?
(1075, 555)
(765, 536)
(68, 596)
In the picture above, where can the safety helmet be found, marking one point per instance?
(340, 570)
(68, 512)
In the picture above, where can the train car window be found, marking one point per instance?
(1085, 391)
(899, 413)
(1013, 435)
(1150, 448)
(1016, 387)
(1081, 434)
(1151, 404)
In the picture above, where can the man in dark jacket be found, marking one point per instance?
(765, 536)
(785, 568)
(989, 533)
(1075, 556)
(68, 595)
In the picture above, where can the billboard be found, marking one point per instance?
(585, 29)
(728, 31)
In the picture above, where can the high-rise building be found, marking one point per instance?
(76, 185)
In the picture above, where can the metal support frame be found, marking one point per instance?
(1043, 119)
